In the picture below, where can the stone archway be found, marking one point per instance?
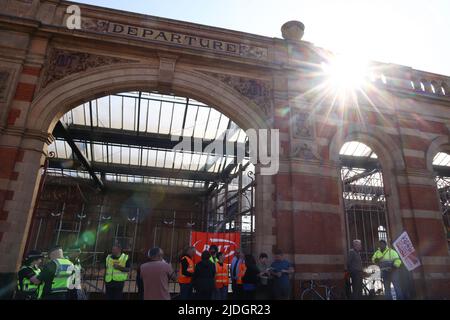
(63, 95)
(52, 102)
(390, 159)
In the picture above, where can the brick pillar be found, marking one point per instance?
(19, 177)
(318, 222)
(422, 219)
(264, 220)
(21, 152)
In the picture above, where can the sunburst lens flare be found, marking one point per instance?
(345, 72)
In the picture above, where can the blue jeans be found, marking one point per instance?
(393, 277)
(185, 291)
(220, 294)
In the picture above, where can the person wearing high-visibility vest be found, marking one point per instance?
(116, 273)
(222, 278)
(55, 276)
(213, 250)
(185, 273)
(389, 262)
(237, 260)
(239, 279)
(27, 290)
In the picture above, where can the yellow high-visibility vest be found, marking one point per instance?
(113, 274)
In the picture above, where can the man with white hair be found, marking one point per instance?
(355, 268)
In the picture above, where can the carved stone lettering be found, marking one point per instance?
(169, 37)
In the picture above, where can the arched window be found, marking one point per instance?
(382, 233)
(364, 198)
(441, 166)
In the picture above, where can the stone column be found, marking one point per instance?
(22, 56)
(19, 180)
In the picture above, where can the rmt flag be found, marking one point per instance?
(225, 242)
(406, 251)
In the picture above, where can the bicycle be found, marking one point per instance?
(372, 292)
(310, 293)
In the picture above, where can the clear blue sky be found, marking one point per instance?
(414, 33)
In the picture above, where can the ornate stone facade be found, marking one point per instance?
(303, 143)
(62, 63)
(5, 79)
(258, 91)
(296, 207)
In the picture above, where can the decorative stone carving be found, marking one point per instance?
(303, 137)
(62, 63)
(258, 91)
(305, 150)
(253, 52)
(94, 25)
(293, 30)
(302, 127)
(4, 84)
(174, 38)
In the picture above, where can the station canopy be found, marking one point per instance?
(132, 137)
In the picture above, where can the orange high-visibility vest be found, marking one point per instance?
(222, 279)
(181, 277)
(242, 269)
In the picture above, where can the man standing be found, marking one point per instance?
(281, 269)
(185, 274)
(222, 278)
(389, 263)
(117, 268)
(213, 250)
(264, 290)
(236, 263)
(55, 275)
(355, 268)
(155, 276)
(75, 291)
(27, 290)
(203, 278)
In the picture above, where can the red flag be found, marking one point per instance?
(225, 242)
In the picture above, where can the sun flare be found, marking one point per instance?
(346, 72)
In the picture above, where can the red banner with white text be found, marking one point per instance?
(225, 242)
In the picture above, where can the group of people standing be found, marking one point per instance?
(59, 278)
(390, 266)
(210, 278)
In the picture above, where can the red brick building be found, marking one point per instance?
(311, 209)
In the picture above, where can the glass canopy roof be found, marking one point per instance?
(442, 159)
(357, 149)
(153, 115)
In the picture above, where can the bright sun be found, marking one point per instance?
(345, 72)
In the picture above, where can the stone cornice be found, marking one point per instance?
(27, 134)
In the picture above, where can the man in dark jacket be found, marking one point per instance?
(355, 268)
(203, 278)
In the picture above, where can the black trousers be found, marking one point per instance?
(357, 280)
(204, 295)
(237, 291)
(114, 290)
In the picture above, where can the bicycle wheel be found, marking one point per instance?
(310, 294)
(336, 294)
